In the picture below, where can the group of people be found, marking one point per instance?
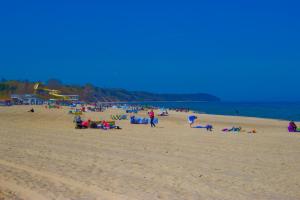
(191, 119)
(208, 127)
(80, 124)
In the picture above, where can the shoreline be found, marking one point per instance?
(195, 112)
(246, 117)
(259, 110)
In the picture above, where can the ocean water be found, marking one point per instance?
(273, 110)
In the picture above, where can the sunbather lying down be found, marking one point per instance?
(31, 110)
(233, 129)
(238, 129)
(163, 113)
(208, 127)
(105, 125)
(252, 131)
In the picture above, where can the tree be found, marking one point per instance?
(88, 92)
(54, 83)
(3, 86)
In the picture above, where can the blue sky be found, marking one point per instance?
(237, 50)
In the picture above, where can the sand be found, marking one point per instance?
(42, 156)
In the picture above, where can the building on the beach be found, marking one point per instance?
(5, 102)
(68, 99)
(27, 99)
(73, 98)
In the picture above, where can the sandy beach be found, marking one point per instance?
(42, 156)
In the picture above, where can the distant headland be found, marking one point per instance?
(91, 93)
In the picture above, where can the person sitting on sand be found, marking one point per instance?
(86, 123)
(132, 119)
(209, 127)
(31, 110)
(78, 121)
(93, 124)
(292, 124)
(293, 127)
(105, 124)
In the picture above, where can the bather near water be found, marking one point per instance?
(293, 127)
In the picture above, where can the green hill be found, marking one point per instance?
(91, 93)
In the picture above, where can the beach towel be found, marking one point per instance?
(208, 127)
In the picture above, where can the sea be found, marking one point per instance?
(274, 110)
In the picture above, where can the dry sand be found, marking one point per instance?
(42, 156)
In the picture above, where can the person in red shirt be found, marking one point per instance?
(151, 115)
(105, 124)
(86, 123)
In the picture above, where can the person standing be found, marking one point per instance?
(151, 115)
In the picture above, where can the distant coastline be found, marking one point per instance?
(132, 102)
(91, 93)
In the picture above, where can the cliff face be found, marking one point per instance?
(91, 93)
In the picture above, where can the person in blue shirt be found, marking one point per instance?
(192, 119)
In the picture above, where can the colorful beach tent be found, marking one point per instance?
(142, 120)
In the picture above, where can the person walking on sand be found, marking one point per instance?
(151, 115)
